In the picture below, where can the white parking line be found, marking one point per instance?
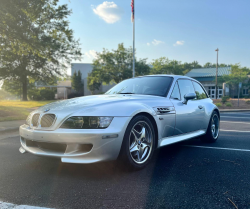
(234, 113)
(222, 148)
(233, 122)
(233, 117)
(235, 131)
(5, 205)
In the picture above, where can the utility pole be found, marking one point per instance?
(216, 78)
(133, 21)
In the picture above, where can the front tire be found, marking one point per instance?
(213, 129)
(138, 143)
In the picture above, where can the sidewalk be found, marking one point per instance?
(8, 126)
(234, 110)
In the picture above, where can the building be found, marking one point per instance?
(85, 69)
(206, 76)
(63, 89)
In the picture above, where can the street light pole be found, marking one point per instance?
(216, 78)
(133, 21)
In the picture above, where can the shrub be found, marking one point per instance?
(225, 99)
(47, 94)
(228, 104)
(41, 94)
(218, 104)
(34, 94)
(248, 101)
(74, 94)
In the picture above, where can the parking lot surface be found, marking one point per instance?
(190, 174)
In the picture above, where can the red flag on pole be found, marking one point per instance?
(133, 11)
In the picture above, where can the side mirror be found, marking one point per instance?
(189, 96)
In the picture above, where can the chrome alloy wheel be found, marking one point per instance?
(215, 126)
(140, 142)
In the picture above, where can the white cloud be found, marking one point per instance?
(148, 44)
(108, 11)
(157, 42)
(91, 54)
(179, 43)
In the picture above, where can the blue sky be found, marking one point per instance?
(178, 29)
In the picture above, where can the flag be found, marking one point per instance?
(133, 10)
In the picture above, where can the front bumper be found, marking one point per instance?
(76, 145)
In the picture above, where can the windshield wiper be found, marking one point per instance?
(126, 93)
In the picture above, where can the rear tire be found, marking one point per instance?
(213, 129)
(138, 143)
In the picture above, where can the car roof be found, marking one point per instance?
(167, 75)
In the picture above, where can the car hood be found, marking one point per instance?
(81, 103)
(102, 105)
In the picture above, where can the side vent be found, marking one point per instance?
(164, 110)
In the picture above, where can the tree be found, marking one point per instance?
(77, 82)
(35, 40)
(13, 87)
(165, 66)
(238, 75)
(115, 66)
(210, 65)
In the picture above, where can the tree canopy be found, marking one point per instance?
(238, 75)
(35, 40)
(165, 66)
(115, 66)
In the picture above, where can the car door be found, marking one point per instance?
(202, 99)
(188, 116)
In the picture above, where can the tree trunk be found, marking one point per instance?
(25, 89)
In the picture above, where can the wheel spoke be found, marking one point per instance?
(136, 134)
(140, 153)
(143, 133)
(133, 147)
(138, 156)
(144, 145)
(145, 152)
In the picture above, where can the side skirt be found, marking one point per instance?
(178, 138)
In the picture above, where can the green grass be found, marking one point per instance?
(18, 110)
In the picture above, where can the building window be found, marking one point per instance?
(211, 92)
(245, 91)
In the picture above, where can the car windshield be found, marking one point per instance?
(149, 85)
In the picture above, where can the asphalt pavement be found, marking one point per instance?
(190, 174)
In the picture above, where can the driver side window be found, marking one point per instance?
(186, 87)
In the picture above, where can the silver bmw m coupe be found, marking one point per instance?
(128, 123)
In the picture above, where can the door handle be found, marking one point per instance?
(200, 107)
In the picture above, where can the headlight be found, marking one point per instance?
(78, 122)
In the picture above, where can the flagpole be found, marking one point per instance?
(134, 41)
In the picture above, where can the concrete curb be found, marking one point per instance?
(234, 110)
(7, 130)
